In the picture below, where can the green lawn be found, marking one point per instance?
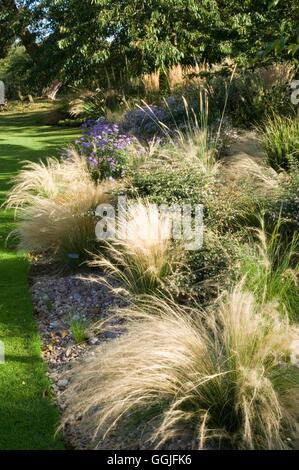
(27, 415)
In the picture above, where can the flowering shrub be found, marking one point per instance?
(145, 122)
(106, 149)
(177, 113)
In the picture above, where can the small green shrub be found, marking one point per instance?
(89, 104)
(280, 139)
(227, 207)
(252, 94)
(170, 184)
(284, 206)
(211, 269)
(231, 207)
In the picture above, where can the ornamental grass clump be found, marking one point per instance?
(183, 131)
(142, 253)
(194, 138)
(280, 139)
(191, 140)
(271, 268)
(226, 373)
(55, 203)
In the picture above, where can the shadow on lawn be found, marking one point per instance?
(28, 418)
(29, 436)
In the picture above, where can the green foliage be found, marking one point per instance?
(155, 34)
(71, 122)
(230, 208)
(285, 206)
(79, 329)
(211, 269)
(170, 184)
(270, 269)
(15, 73)
(252, 95)
(93, 105)
(280, 139)
(79, 42)
(28, 417)
(287, 43)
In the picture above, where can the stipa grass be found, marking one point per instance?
(55, 204)
(142, 254)
(224, 373)
(191, 139)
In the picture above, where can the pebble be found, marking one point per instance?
(73, 297)
(62, 383)
(78, 297)
(93, 341)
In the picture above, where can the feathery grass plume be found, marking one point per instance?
(271, 269)
(55, 204)
(244, 167)
(192, 140)
(280, 139)
(175, 76)
(276, 75)
(151, 82)
(52, 179)
(143, 253)
(178, 372)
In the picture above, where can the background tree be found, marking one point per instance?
(77, 41)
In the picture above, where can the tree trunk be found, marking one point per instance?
(52, 90)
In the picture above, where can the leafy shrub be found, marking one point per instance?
(211, 269)
(285, 206)
(106, 149)
(227, 207)
(224, 373)
(170, 184)
(94, 104)
(252, 95)
(231, 207)
(280, 139)
(15, 72)
(55, 203)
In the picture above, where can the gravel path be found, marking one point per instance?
(58, 299)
